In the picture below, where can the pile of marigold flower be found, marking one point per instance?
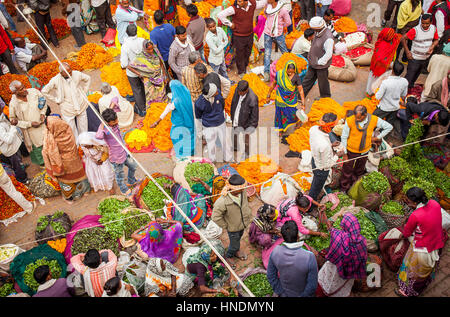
(6, 79)
(114, 75)
(301, 179)
(292, 37)
(8, 206)
(95, 97)
(46, 71)
(93, 56)
(160, 135)
(204, 8)
(370, 103)
(345, 25)
(286, 57)
(257, 169)
(182, 16)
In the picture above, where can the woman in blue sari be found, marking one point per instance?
(183, 126)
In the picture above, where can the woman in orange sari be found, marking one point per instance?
(62, 160)
(383, 56)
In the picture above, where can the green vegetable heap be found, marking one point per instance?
(411, 152)
(428, 187)
(58, 214)
(375, 182)
(259, 285)
(317, 242)
(28, 277)
(154, 198)
(44, 221)
(204, 171)
(230, 290)
(112, 219)
(134, 223)
(368, 229)
(393, 207)
(7, 289)
(344, 201)
(94, 238)
(112, 205)
(398, 167)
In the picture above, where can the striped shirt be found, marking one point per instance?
(192, 81)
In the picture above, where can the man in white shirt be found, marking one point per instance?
(322, 152)
(104, 16)
(131, 47)
(391, 90)
(303, 44)
(319, 58)
(217, 40)
(28, 55)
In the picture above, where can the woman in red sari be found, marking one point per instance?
(383, 56)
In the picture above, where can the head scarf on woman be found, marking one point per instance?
(286, 92)
(263, 219)
(384, 51)
(348, 249)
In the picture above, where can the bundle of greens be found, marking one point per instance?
(398, 167)
(204, 171)
(134, 220)
(393, 207)
(344, 201)
(154, 198)
(6, 289)
(368, 229)
(411, 152)
(428, 187)
(28, 277)
(112, 218)
(317, 242)
(259, 285)
(375, 182)
(112, 205)
(94, 238)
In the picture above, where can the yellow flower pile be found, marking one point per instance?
(292, 37)
(114, 75)
(299, 140)
(95, 97)
(114, 51)
(300, 62)
(137, 139)
(151, 5)
(182, 16)
(345, 25)
(214, 3)
(160, 135)
(301, 179)
(59, 245)
(93, 56)
(257, 169)
(204, 9)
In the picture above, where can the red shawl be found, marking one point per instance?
(384, 51)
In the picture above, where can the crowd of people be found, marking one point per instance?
(172, 67)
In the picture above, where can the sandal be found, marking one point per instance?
(398, 293)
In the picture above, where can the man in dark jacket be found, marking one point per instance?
(42, 17)
(51, 287)
(244, 116)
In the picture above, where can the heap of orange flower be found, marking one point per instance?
(300, 62)
(151, 5)
(60, 26)
(299, 140)
(114, 75)
(370, 103)
(292, 37)
(46, 71)
(257, 169)
(182, 16)
(301, 179)
(93, 56)
(159, 135)
(257, 85)
(59, 244)
(6, 79)
(304, 26)
(114, 51)
(204, 8)
(95, 97)
(214, 3)
(8, 206)
(345, 25)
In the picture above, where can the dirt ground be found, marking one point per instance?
(22, 232)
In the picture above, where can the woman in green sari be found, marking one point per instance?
(88, 17)
(150, 65)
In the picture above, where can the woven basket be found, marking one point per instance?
(118, 197)
(394, 221)
(138, 195)
(129, 243)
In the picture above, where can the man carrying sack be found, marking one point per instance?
(357, 140)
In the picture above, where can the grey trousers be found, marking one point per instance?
(137, 86)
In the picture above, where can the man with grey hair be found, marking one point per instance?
(27, 110)
(68, 89)
(190, 79)
(112, 99)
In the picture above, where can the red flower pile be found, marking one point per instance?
(338, 61)
(9, 206)
(357, 52)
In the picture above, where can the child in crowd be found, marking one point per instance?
(303, 44)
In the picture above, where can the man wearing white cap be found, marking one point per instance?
(319, 58)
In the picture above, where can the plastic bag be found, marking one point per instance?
(178, 171)
(135, 273)
(340, 48)
(356, 39)
(305, 163)
(12, 251)
(279, 187)
(109, 38)
(123, 260)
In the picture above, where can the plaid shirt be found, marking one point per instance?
(192, 82)
(348, 249)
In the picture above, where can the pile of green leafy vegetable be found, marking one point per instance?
(154, 198)
(204, 171)
(368, 229)
(229, 290)
(375, 182)
(317, 242)
(259, 285)
(134, 220)
(411, 152)
(6, 289)
(428, 187)
(398, 167)
(44, 221)
(344, 201)
(94, 238)
(110, 209)
(393, 207)
(112, 205)
(28, 277)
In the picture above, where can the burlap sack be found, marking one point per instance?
(365, 59)
(344, 74)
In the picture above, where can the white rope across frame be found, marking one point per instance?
(142, 167)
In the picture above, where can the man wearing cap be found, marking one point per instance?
(232, 213)
(319, 58)
(244, 116)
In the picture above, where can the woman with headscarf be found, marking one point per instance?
(183, 128)
(98, 168)
(346, 258)
(149, 64)
(208, 272)
(157, 242)
(289, 88)
(162, 279)
(383, 56)
(112, 99)
(62, 160)
(263, 229)
(424, 231)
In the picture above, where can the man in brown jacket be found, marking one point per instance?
(232, 213)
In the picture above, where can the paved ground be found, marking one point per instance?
(22, 232)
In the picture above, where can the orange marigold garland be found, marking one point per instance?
(292, 37)
(371, 104)
(257, 169)
(302, 181)
(345, 25)
(204, 9)
(114, 75)
(93, 56)
(46, 71)
(95, 97)
(182, 16)
(300, 62)
(160, 135)
(6, 79)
